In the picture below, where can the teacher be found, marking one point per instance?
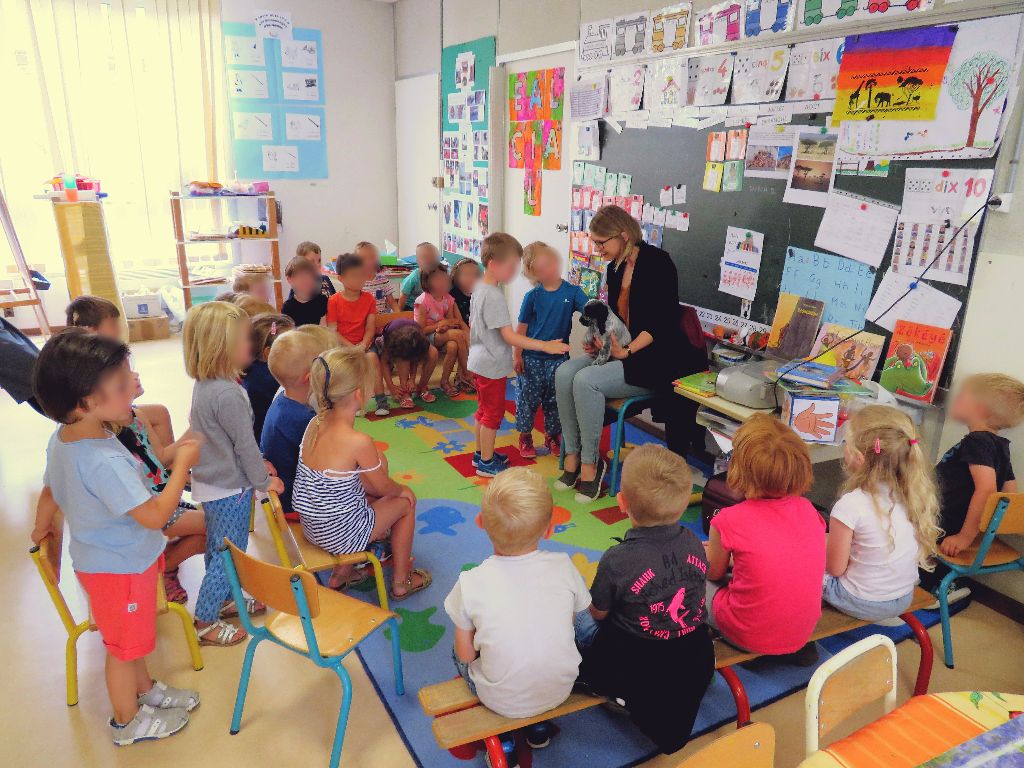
(643, 291)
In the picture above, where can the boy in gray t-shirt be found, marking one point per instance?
(491, 339)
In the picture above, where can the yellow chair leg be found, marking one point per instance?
(71, 661)
(378, 576)
(252, 517)
(190, 634)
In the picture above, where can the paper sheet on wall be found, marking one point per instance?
(244, 50)
(819, 13)
(248, 84)
(253, 126)
(856, 227)
(814, 69)
(301, 54)
(280, 158)
(276, 25)
(843, 284)
(630, 35)
(669, 30)
(924, 304)
(769, 152)
(299, 126)
(595, 43)
(586, 142)
(720, 23)
(665, 86)
(301, 86)
(741, 262)
(758, 74)
(625, 88)
(714, 73)
(588, 97)
(812, 168)
(763, 18)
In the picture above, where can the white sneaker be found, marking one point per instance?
(163, 696)
(148, 724)
(955, 594)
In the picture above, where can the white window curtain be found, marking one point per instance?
(128, 91)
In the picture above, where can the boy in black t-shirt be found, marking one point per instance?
(307, 305)
(645, 640)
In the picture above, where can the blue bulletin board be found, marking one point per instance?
(276, 101)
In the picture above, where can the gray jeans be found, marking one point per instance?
(581, 389)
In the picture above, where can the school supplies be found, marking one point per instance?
(702, 384)
(810, 374)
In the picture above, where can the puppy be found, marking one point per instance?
(601, 323)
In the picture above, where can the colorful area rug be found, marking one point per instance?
(430, 449)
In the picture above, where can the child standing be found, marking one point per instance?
(465, 275)
(437, 314)
(546, 314)
(491, 340)
(343, 494)
(427, 257)
(776, 540)
(886, 523)
(513, 613)
(649, 605)
(218, 346)
(259, 383)
(307, 304)
(377, 283)
(405, 345)
(83, 382)
(310, 251)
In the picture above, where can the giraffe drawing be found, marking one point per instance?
(855, 97)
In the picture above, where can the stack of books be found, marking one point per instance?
(702, 384)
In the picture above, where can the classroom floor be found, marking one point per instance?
(292, 707)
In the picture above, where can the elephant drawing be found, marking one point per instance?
(883, 99)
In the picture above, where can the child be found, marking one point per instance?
(351, 313)
(405, 345)
(546, 314)
(513, 613)
(377, 283)
(976, 467)
(491, 340)
(255, 284)
(306, 304)
(343, 494)
(649, 605)
(218, 347)
(257, 380)
(776, 540)
(437, 314)
(310, 251)
(83, 382)
(886, 522)
(427, 257)
(252, 306)
(465, 275)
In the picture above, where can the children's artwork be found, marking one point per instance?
(901, 297)
(284, 159)
(276, 25)
(588, 146)
(555, 79)
(299, 126)
(611, 184)
(758, 74)
(300, 54)
(665, 195)
(768, 17)
(481, 220)
(721, 23)
(678, 220)
(532, 191)
(855, 165)
(736, 145)
(528, 95)
(713, 176)
(465, 70)
(856, 353)
(517, 145)
(588, 97)
(795, 326)
(533, 144)
(741, 262)
(973, 102)
(714, 73)
(814, 69)
(915, 359)
(244, 50)
(895, 75)
(716, 145)
(552, 145)
(769, 153)
(844, 285)
(626, 88)
(253, 126)
(665, 86)
(301, 86)
(625, 185)
(248, 84)
(595, 44)
(629, 35)
(857, 227)
(827, 12)
(670, 28)
(732, 176)
(811, 172)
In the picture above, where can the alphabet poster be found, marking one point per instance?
(814, 69)
(844, 285)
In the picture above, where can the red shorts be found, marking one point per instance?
(490, 395)
(123, 606)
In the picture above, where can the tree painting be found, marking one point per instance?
(976, 82)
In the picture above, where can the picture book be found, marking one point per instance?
(590, 282)
(702, 384)
(809, 373)
(795, 326)
(915, 358)
(855, 352)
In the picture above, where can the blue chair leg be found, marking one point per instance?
(947, 632)
(561, 455)
(346, 703)
(620, 439)
(243, 684)
(396, 654)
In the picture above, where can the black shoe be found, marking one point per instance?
(567, 481)
(805, 657)
(590, 490)
(538, 735)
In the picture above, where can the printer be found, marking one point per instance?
(750, 384)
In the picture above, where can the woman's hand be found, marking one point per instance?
(593, 347)
(618, 352)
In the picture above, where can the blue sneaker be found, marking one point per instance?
(492, 467)
(499, 456)
(476, 459)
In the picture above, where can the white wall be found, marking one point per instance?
(417, 37)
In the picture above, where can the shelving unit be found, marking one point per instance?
(181, 243)
(24, 295)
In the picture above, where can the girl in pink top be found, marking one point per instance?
(776, 541)
(437, 314)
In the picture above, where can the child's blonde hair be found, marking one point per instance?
(499, 246)
(769, 460)
(211, 336)
(307, 246)
(292, 356)
(886, 439)
(251, 305)
(1001, 395)
(266, 328)
(656, 484)
(336, 374)
(244, 282)
(516, 510)
(325, 337)
(530, 255)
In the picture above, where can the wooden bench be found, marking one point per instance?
(461, 724)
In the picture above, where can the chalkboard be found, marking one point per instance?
(659, 156)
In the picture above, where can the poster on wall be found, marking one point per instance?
(814, 69)
(758, 74)
(811, 170)
(714, 73)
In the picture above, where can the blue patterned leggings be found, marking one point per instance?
(537, 389)
(225, 518)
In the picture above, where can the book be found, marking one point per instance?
(702, 384)
(856, 352)
(809, 373)
(795, 326)
(915, 358)
(590, 282)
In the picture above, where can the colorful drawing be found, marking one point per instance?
(670, 27)
(855, 352)
(590, 281)
(713, 177)
(532, 191)
(716, 146)
(768, 16)
(664, 87)
(552, 145)
(518, 101)
(758, 74)
(713, 75)
(915, 359)
(721, 23)
(736, 145)
(826, 12)
(517, 145)
(626, 88)
(555, 88)
(533, 144)
(732, 177)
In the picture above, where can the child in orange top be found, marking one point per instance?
(351, 313)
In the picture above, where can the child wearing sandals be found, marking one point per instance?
(83, 382)
(404, 344)
(437, 314)
(218, 347)
(343, 493)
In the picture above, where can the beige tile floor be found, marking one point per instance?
(292, 707)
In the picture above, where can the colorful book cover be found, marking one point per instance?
(795, 326)
(702, 383)
(856, 352)
(810, 374)
(915, 358)
(590, 282)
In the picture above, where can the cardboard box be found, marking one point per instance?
(149, 329)
(138, 305)
(814, 417)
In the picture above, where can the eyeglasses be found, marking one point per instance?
(600, 244)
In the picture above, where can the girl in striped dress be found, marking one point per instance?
(343, 494)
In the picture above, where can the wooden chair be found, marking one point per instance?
(1003, 514)
(47, 559)
(853, 678)
(310, 620)
(752, 746)
(309, 557)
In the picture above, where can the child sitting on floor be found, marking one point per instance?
(465, 275)
(649, 605)
(306, 305)
(513, 613)
(546, 315)
(406, 346)
(259, 383)
(427, 257)
(377, 283)
(886, 522)
(83, 382)
(255, 284)
(437, 314)
(310, 251)
(776, 541)
(343, 493)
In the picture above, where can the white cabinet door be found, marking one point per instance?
(418, 134)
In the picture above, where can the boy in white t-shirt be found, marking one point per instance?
(513, 614)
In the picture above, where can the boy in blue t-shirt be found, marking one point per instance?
(427, 257)
(546, 315)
